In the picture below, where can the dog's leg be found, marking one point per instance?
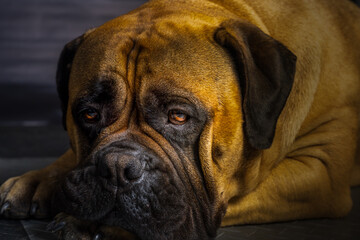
(312, 181)
(29, 195)
(355, 173)
(68, 227)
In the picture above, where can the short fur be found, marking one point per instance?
(271, 90)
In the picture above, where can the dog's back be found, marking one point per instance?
(325, 37)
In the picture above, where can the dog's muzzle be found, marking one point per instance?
(127, 184)
(122, 164)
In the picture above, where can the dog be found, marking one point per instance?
(184, 116)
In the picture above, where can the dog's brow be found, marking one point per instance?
(101, 92)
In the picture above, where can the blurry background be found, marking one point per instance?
(32, 35)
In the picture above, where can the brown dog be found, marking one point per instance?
(187, 115)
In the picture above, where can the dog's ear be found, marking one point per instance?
(266, 70)
(63, 72)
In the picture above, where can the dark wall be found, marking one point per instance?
(32, 33)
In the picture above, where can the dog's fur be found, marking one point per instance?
(273, 90)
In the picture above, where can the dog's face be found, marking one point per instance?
(155, 113)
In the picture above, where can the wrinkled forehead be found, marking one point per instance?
(144, 52)
(182, 57)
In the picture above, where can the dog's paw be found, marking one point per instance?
(26, 196)
(67, 227)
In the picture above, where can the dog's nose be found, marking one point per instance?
(118, 167)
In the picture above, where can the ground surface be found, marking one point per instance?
(32, 34)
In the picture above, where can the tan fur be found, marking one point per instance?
(310, 162)
(308, 170)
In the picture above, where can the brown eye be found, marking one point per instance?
(177, 117)
(91, 115)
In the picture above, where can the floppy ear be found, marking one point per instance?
(266, 70)
(63, 72)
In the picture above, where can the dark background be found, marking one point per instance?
(32, 35)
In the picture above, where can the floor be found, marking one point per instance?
(31, 135)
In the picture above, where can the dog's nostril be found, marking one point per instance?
(133, 171)
(120, 168)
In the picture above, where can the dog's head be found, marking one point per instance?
(161, 107)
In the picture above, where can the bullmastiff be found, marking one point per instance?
(184, 116)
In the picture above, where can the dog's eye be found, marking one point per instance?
(91, 115)
(177, 117)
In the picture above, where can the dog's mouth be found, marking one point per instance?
(146, 198)
(154, 207)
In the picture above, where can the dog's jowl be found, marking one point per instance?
(184, 116)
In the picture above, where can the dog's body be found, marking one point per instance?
(193, 108)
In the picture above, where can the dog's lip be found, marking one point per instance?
(69, 196)
(183, 210)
